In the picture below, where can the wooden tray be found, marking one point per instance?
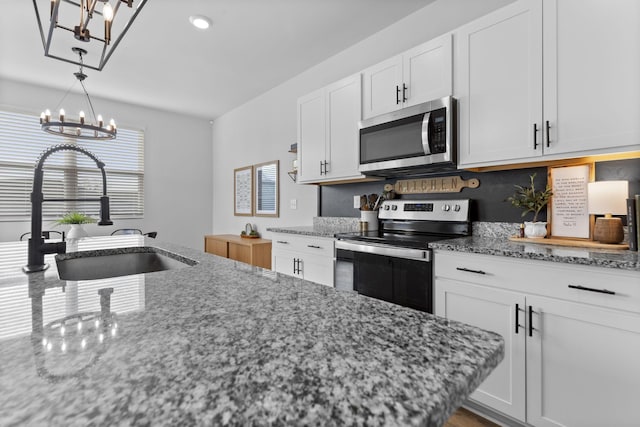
(244, 236)
(556, 241)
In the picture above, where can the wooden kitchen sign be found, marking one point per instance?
(446, 184)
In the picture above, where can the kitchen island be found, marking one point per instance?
(222, 343)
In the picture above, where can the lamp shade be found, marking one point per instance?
(608, 197)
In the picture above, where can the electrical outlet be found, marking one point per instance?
(356, 202)
(293, 204)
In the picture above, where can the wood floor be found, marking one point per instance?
(464, 418)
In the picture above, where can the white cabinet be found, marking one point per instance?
(570, 349)
(548, 81)
(306, 257)
(498, 85)
(493, 310)
(328, 132)
(418, 75)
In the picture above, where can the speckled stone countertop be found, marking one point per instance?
(222, 343)
(322, 227)
(621, 259)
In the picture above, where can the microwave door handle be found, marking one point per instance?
(425, 133)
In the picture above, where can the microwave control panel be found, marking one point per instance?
(438, 131)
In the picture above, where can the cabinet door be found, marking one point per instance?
(311, 136)
(493, 310)
(240, 253)
(582, 365)
(591, 75)
(286, 263)
(382, 87)
(499, 85)
(427, 71)
(344, 105)
(216, 247)
(318, 270)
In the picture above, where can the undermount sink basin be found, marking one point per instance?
(106, 263)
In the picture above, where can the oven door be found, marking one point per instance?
(399, 275)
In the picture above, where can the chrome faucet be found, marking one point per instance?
(37, 247)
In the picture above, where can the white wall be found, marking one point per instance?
(264, 128)
(178, 168)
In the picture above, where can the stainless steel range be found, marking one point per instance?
(394, 263)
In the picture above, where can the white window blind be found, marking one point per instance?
(68, 174)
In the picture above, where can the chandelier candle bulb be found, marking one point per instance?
(62, 114)
(107, 13)
(42, 118)
(112, 123)
(81, 117)
(100, 121)
(47, 116)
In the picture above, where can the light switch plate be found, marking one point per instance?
(293, 204)
(356, 202)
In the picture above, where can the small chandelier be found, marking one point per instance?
(79, 129)
(63, 15)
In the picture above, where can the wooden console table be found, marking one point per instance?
(251, 251)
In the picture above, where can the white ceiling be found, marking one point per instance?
(164, 62)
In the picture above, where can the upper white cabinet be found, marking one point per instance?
(328, 132)
(552, 81)
(418, 75)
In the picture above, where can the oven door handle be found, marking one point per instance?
(392, 251)
(425, 133)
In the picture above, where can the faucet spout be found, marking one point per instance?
(37, 246)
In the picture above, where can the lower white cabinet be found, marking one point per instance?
(309, 258)
(571, 351)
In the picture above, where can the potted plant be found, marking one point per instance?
(75, 219)
(531, 200)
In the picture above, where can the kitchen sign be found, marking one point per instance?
(569, 210)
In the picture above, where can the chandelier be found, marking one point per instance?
(80, 129)
(84, 21)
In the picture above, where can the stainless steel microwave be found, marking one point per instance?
(413, 141)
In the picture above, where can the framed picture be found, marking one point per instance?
(569, 203)
(243, 191)
(267, 192)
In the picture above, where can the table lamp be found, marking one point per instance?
(608, 198)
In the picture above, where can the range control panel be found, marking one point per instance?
(425, 210)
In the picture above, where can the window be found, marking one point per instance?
(68, 174)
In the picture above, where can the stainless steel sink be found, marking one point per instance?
(106, 263)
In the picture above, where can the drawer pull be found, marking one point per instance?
(468, 270)
(314, 246)
(600, 291)
(283, 242)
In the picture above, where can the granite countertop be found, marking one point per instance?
(322, 227)
(223, 343)
(609, 258)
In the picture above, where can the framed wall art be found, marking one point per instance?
(243, 191)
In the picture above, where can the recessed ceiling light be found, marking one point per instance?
(200, 22)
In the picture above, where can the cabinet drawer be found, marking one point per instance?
(607, 287)
(318, 246)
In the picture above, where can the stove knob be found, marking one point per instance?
(386, 208)
(456, 208)
(446, 208)
(394, 207)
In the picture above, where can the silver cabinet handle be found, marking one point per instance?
(283, 242)
(314, 246)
